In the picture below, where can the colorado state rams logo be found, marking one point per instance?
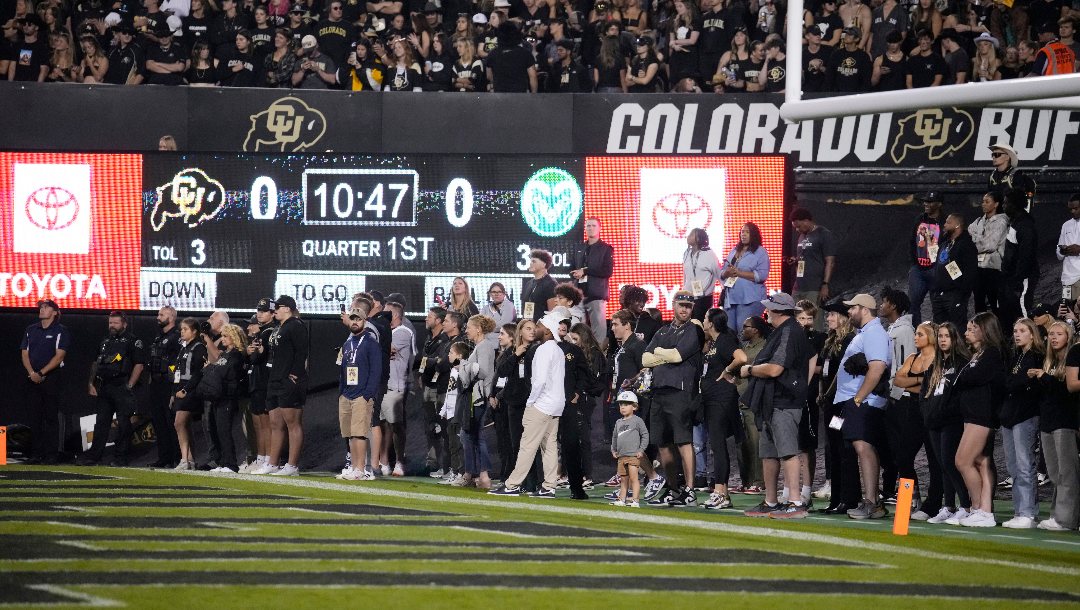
(288, 125)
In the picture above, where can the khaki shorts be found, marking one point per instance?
(625, 462)
(354, 416)
(393, 407)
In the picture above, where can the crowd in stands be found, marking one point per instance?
(509, 396)
(607, 46)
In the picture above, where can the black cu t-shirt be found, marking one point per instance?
(718, 358)
(288, 352)
(173, 54)
(923, 69)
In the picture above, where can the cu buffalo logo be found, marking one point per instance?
(938, 131)
(288, 125)
(191, 196)
(52, 208)
(676, 214)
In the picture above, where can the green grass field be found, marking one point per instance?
(72, 537)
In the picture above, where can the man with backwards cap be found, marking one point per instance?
(779, 379)
(361, 364)
(543, 408)
(258, 377)
(44, 345)
(1007, 176)
(286, 388)
(673, 355)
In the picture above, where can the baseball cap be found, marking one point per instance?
(1050, 27)
(33, 19)
(377, 296)
(502, 3)
(479, 18)
(1041, 310)
(253, 320)
(642, 41)
(431, 7)
(627, 396)
(309, 42)
(853, 31)
(298, 8)
(265, 304)
(565, 43)
(682, 296)
(836, 306)
(396, 297)
(863, 300)
(361, 312)
(285, 301)
(779, 301)
(49, 302)
(931, 196)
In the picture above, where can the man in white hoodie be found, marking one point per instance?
(895, 317)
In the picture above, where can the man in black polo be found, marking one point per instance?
(956, 272)
(164, 351)
(44, 345)
(776, 394)
(113, 375)
(814, 260)
(593, 264)
(674, 356)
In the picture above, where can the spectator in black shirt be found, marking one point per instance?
(890, 68)
(815, 59)
(850, 67)
(773, 75)
(299, 25)
(956, 58)
(925, 67)
(126, 63)
(644, 68)
(30, 55)
(511, 67)
(830, 25)
(236, 64)
(227, 24)
(202, 71)
(262, 35)
(717, 28)
(335, 35)
(166, 61)
(197, 24)
(538, 292)
(402, 71)
(286, 388)
(610, 69)
(567, 75)
(150, 20)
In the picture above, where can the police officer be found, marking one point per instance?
(120, 361)
(163, 353)
(258, 378)
(44, 345)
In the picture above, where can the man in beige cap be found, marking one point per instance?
(1007, 176)
(361, 363)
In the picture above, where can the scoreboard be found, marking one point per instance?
(220, 230)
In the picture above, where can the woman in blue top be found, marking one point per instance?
(744, 273)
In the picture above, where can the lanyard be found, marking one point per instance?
(351, 355)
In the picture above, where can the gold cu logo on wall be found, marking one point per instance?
(941, 131)
(288, 125)
(190, 195)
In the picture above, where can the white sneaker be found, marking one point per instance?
(183, 465)
(384, 469)
(288, 470)
(399, 470)
(223, 470)
(1019, 523)
(244, 468)
(344, 473)
(825, 491)
(979, 518)
(264, 469)
(1043, 479)
(357, 475)
(438, 474)
(943, 515)
(958, 516)
(919, 516)
(1051, 525)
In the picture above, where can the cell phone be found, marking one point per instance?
(343, 308)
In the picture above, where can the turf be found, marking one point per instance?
(140, 538)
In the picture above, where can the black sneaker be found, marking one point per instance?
(763, 510)
(505, 490)
(663, 499)
(701, 483)
(684, 498)
(544, 492)
(85, 460)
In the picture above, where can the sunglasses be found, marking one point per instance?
(997, 154)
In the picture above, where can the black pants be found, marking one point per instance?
(945, 441)
(507, 455)
(950, 306)
(213, 453)
(587, 409)
(435, 432)
(571, 428)
(43, 401)
(1016, 299)
(987, 290)
(113, 399)
(935, 493)
(162, 416)
(846, 486)
(905, 433)
(721, 407)
(224, 413)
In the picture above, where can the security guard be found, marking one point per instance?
(163, 353)
(44, 345)
(113, 375)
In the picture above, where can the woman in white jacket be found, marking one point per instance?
(989, 232)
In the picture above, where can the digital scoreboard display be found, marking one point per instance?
(219, 231)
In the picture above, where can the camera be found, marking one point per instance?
(205, 328)
(601, 5)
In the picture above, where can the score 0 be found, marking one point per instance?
(264, 186)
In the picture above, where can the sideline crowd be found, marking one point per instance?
(773, 371)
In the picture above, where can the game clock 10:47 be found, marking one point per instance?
(221, 230)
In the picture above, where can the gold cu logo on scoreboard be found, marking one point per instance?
(191, 195)
(287, 125)
(940, 131)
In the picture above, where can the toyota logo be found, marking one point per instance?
(52, 208)
(676, 214)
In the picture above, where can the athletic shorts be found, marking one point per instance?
(288, 395)
(258, 402)
(863, 423)
(780, 437)
(393, 407)
(354, 416)
(672, 418)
